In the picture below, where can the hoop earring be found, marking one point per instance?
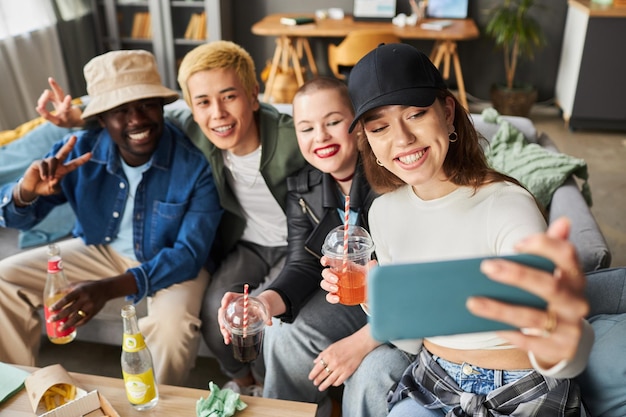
(453, 137)
(378, 162)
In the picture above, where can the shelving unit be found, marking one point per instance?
(590, 81)
(117, 20)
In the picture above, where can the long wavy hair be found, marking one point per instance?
(465, 163)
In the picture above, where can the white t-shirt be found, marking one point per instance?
(462, 224)
(266, 222)
(123, 242)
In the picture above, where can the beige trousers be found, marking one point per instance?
(171, 328)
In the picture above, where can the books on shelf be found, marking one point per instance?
(142, 26)
(196, 29)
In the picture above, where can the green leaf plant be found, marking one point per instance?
(516, 32)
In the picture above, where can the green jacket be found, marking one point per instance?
(280, 158)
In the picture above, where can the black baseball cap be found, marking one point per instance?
(393, 74)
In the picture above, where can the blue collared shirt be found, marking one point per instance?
(176, 212)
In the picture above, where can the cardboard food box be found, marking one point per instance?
(90, 404)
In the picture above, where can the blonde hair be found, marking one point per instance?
(217, 55)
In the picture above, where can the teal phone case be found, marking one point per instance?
(411, 301)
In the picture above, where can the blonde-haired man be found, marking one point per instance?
(252, 149)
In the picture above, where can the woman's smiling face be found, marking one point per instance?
(322, 118)
(412, 143)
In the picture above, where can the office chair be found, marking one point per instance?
(342, 57)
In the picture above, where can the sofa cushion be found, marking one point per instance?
(603, 384)
(488, 128)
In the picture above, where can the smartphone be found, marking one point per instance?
(412, 301)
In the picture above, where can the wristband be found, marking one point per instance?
(18, 195)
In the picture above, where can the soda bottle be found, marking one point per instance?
(56, 287)
(139, 380)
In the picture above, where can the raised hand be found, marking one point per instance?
(64, 114)
(43, 177)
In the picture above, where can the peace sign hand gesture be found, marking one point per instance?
(43, 177)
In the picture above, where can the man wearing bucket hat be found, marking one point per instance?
(252, 149)
(147, 211)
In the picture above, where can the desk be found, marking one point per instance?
(173, 401)
(292, 43)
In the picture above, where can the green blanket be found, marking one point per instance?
(538, 169)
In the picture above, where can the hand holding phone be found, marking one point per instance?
(412, 301)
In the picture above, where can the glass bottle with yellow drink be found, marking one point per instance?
(137, 369)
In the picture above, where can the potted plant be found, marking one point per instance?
(518, 34)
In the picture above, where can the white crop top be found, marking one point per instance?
(462, 224)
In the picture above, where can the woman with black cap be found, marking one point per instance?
(441, 200)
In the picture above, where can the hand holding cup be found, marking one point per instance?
(348, 250)
(244, 319)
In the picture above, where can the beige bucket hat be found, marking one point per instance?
(119, 77)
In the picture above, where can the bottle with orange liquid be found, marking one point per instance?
(56, 287)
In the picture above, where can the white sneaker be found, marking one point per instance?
(253, 390)
(250, 390)
(233, 386)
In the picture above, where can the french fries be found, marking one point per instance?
(58, 395)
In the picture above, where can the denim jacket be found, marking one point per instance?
(176, 214)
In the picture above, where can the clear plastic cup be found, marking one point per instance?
(353, 273)
(246, 342)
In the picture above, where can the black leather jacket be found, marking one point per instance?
(313, 198)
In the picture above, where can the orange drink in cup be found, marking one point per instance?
(348, 251)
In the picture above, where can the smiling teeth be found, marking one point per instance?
(409, 159)
(326, 151)
(223, 129)
(140, 135)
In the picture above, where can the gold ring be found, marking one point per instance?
(551, 323)
(81, 313)
(328, 371)
(324, 364)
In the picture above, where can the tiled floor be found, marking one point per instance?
(605, 153)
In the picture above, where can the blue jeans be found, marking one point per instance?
(479, 380)
(469, 378)
(289, 351)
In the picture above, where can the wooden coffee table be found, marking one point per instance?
(173, 401)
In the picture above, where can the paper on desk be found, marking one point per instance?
(12, 380)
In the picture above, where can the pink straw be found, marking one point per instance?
(245, 309)
(345, 234)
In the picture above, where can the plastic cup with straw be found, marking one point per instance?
(348, 249)
(244, 319)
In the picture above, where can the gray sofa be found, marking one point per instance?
(594, 253)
